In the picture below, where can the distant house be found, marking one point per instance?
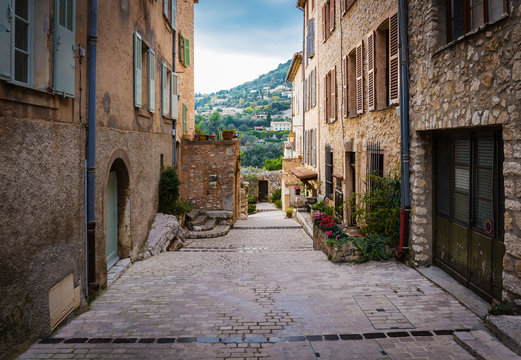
(260, 116)
(280, 125)
(258, 128)
(286, 94)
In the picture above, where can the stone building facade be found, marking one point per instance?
(296, 78)
(465, 96)
(210, 175)
(43, 125)
(353, 94)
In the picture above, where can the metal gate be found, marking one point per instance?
(469, 210)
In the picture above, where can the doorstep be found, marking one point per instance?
(117, 270)
(464, 295)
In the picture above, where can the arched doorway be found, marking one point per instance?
(117, 213)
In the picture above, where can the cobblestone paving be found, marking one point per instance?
(262, 292)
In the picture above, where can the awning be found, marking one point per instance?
(303, 173)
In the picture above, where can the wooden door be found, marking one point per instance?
(111, 220)
(469, 210)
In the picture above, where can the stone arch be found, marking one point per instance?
(120, 163)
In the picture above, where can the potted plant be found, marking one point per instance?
(228, 134)
(198, 133)
(297, 190)
(289, 213)
(212, 137)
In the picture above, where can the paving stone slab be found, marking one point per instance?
(484, 346)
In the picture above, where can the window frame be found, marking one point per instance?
(30, 45)
(467, 17)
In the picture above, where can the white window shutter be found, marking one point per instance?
(6, 20)
(164, 90)
(138, 70)
(174, 100)
(64, 47)
(151, 81)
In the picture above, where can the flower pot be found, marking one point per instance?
(289, 215)
(187, 137)
(203, 137)
(227, 135)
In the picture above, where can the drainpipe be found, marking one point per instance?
(405, 201)
(304, 57)
(174, 121)
(92, 42)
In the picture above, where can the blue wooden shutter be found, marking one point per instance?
(164, 90)
(187, 52)
(6, 16)
(64, 47)
(173, 20)
(174, 100)
(138, 70)
(165, 8)
(151, 81)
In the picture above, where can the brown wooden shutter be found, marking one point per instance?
(332, 15)
(326, 110)
(324, 29)
(394, 62)
(344, 87)
(370, 71)
(333, 94)
(360, 78)
(342, 7)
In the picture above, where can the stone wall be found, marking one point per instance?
(210, 174)
(352, 134)
(472, 82)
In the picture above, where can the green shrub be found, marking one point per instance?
(276, 194)
(251, 200)
(182, 207)
(373, 246)
(168, 191)
(278, 203)
(378, 210)
(500, 309)
(252, 208)
(319, 206)
(273, 164)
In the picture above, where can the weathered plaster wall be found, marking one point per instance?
(42, 155)
(471, 82)
(200, 160)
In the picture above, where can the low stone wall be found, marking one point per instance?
(337, 254)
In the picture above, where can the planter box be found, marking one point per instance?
(344, 253)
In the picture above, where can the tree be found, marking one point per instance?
(215, 122)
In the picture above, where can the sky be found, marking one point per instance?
(238, 40)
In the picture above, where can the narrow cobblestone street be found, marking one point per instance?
(262, 292)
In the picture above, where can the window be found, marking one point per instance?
(328, 19)
(170, 12)
(330, 96)
(383, 65)
(144, 75)
(164, 89)
(310, 39)
(329, 172)
(345, 5)
(174, 96)
(17, 40)
(184, 50)
(375, 162)
(359, 78)
(464, 16)
(310, 84)
(349, 84)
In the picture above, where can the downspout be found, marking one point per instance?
(405, 201)
(174, 121)
(304, 56)
(92, 42)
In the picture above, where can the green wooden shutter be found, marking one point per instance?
(185, 115)
(174, 100)
(138, 69)
(173, 20)
(187, 52)
(6, 17)
(64, 47)
(151, 81)
(164, 90)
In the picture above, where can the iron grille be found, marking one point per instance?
(375, 161)
(329, 172)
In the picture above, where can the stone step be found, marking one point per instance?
(193, 214)
(483, 346)
(199, 221)
(507, 328)
(209, 224)
(218, 231)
